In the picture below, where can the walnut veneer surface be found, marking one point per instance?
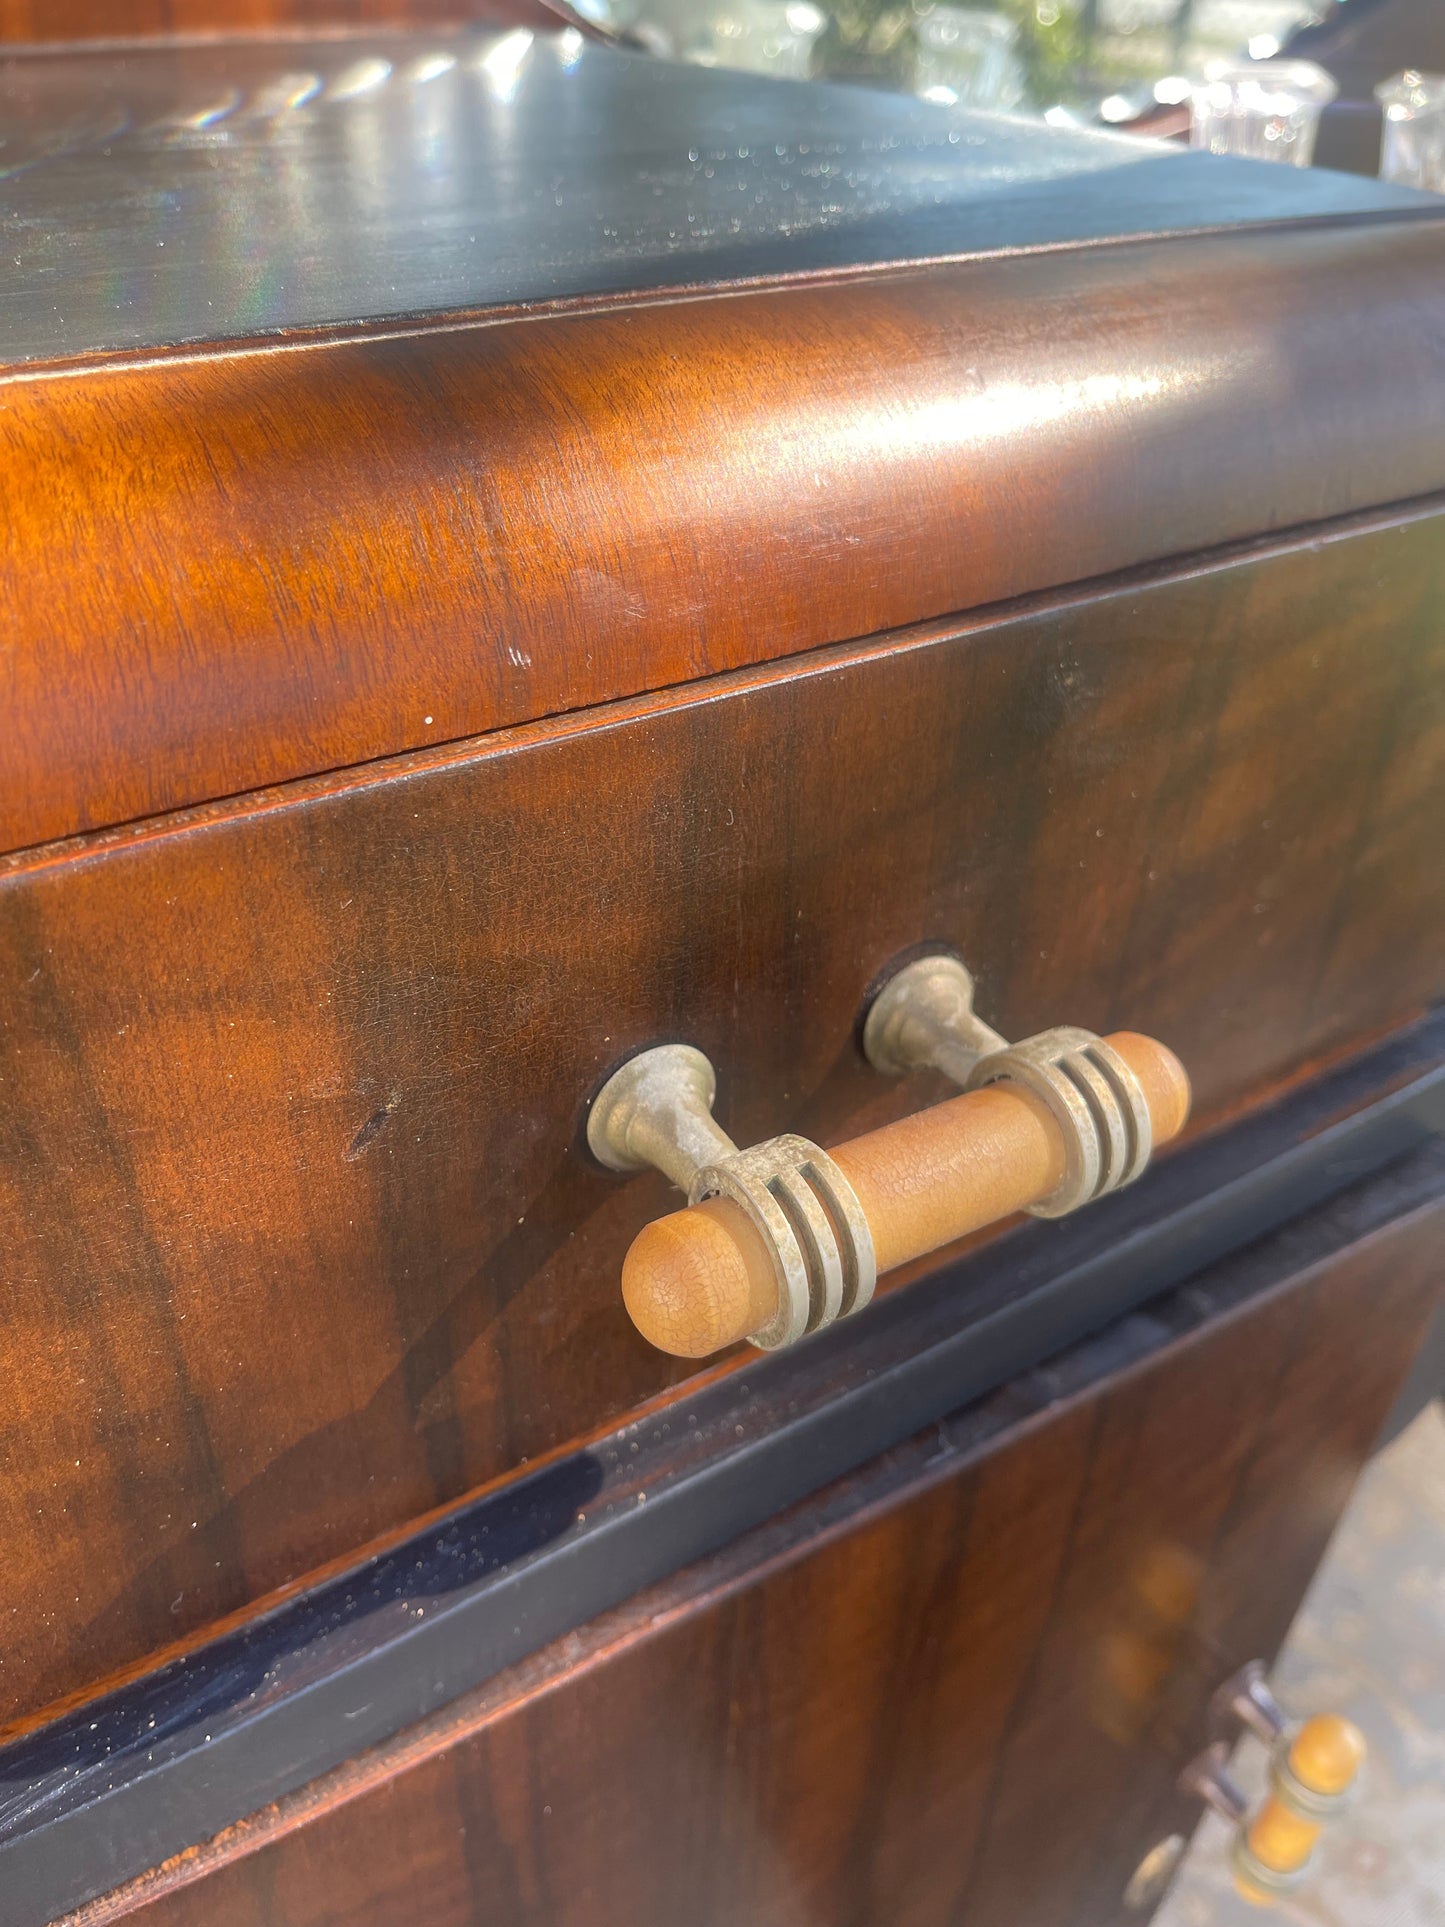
(958, 1686)
(301, 1240)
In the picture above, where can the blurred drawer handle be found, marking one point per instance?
(779, 1240)
(1314, 1766)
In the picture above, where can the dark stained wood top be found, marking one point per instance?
(171, 194)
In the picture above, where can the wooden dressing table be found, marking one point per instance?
(517, 556)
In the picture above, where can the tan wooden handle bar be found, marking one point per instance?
(702, 1278)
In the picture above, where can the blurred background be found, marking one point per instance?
(1292, 80)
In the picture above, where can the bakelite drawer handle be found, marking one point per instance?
(1314, 1766)
(782, 1239)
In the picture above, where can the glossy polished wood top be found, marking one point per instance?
(162, 194)
(236, 569)
(326, 542)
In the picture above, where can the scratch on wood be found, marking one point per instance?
(368, 1132)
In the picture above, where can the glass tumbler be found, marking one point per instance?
(970, 57)
(1266, 110)
(1412, 145)
(763, 36)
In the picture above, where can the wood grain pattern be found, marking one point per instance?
(958, 1686)
(299, 1238)
(231, 570)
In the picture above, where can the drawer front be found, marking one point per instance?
(958, 1685)
(299, 1234)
